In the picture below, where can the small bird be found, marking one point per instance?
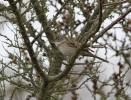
(69, 46)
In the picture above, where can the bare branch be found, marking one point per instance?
(111, 25)
(43, 20)
(114, 3)
(26, 40)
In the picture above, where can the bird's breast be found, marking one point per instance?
(66, 49)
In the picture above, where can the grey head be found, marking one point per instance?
(59, 38)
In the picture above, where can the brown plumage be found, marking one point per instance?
(68, 47)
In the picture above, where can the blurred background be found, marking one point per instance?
(90, 78)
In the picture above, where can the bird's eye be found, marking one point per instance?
(58, 38)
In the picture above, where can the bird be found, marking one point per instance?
(69, 46)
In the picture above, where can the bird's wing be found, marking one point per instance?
(73, 43)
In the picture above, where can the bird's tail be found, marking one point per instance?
(89, 54)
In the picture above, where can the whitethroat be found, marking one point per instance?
(69, 46)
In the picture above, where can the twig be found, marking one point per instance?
(36, 38)
(114, 3)
(111, 25)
